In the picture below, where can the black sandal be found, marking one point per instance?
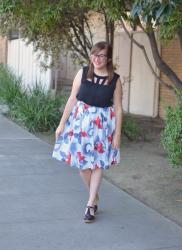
(95, 208)
(96, 204)
(88, 216)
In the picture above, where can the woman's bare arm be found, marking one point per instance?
(117, 100)
(70, 103)
(72, 98)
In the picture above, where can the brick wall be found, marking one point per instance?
(3, 50)
(172, 55)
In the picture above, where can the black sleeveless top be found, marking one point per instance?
(96, 93)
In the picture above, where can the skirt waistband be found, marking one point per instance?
(88, 105)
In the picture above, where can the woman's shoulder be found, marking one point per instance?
(85, 68)
(116, 77)
(82, 71)
(79, 72)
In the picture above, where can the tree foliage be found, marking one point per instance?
(53, 25)
(157, 15)
(50, 25)
(172, 25)
(172, 134)
(60, 25)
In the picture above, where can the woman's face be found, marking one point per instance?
(99, 59)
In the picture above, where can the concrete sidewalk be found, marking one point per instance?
(42, 203)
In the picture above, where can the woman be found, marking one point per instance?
(88, 136)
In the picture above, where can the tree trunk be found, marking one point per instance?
(180, 36)
(111, 31)
(161, 64)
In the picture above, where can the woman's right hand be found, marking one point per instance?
(59, 130)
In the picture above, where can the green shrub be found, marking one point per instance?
(35, 109)
(171, 137)
(10, 86)
(38, 110)
(131, 129)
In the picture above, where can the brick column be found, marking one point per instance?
(172, 55)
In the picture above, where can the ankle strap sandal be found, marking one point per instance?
(88, 216)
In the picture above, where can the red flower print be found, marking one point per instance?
(83, 133)
(86, 106)
(98, 122)
(68, 160)
(70, 133)
(80, 156)
(109, 138)
(99, 148)
(112, 114)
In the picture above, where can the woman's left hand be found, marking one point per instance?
(116, 142)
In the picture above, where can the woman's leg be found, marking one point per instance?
(86, 175)
(95, 181)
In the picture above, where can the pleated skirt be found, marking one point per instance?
(86, 142)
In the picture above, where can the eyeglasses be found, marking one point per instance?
(99, 56)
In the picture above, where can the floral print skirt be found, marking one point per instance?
(86, 142)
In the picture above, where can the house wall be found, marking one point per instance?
(121, 59)
(3, 50)
(144, 88)
(172, 55)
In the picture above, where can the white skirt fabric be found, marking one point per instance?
(86, 142)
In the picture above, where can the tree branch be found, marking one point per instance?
(146, 56)
(90, 34)
(86, 56)
(88, 42)
(109, 27)
(161, 64)
(106, 25)
(75, 48)
(180, 36)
